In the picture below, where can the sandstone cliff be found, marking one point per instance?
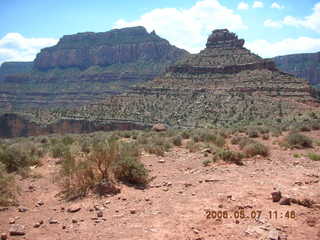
(14, 68)
(87, 67)
(306, 65)
(118, 46)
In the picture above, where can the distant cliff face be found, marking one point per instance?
(14, 68)
(86, 67)
(305, 66)
(118, 46)
(13, 125)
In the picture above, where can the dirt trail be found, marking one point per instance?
(175, 204)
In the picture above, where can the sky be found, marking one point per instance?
(269, 27)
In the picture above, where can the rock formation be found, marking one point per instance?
(14, 68)
(118, 46)
(223, 84)
(306, 65)
(87, 67)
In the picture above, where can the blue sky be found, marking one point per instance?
(270, 27)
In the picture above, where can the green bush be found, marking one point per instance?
(230, 156)
(107, 161)
(59, 150)
(19, 156)
(314, 156)
(298, 140)
(252, 133)
(7, 187)
(206, 162)
(177, 141)
(253, 149)
(185, 134)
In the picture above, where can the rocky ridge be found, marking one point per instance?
(224, 84)
(306, 65)
(87, 67)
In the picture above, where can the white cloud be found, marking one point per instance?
(310, 22)
(15, 47)
(272, 24)
(284, 47)
(257, 4)
(243, 6)
(188, 28)
(276, 5)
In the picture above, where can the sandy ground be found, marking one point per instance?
(179, 199)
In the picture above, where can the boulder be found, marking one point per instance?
(159, 127)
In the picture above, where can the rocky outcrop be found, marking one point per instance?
(86, 67)
(13, 125)
(223, 38)
(306, 65)
(14, 68)
(224, 84)
(118, 46)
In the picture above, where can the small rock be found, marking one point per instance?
(12, 221)
(99, 214)
(74, 221)
(187, 184)
(220, 206)
(273, 235)
(4, 236)
(17, 230)
(74, 208)
(133, 211)
(22, 209)
(39, 203)
(166, 189)
(193, 194)
(107, 202)
(64, 227)
(211, 180)
(147, 199)
(159, 127)
(276, 196)
(161, 161)
(285, 201)
(53, 221)
(36, 225)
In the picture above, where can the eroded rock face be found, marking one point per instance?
(118, 46)
(305, 65)
(223, 38)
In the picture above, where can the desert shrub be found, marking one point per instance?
(206, 162)
(107, 161)
(155, 149)
(265, 136)
(19, 156)
(252, 132)
(276, 132)
(185, 134)
(67, 140)
(230, 156)
(177, 141)
(142, 140)
(193, 146)
(314, 156)
(7, 187)
(243, 141)
(209, 136)
(128, 168)
(263, 129)
(315, 125)
(256, 148)
(235, 140)
(296, 155)
(304, 127)
(59, 150)
(298, 140)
